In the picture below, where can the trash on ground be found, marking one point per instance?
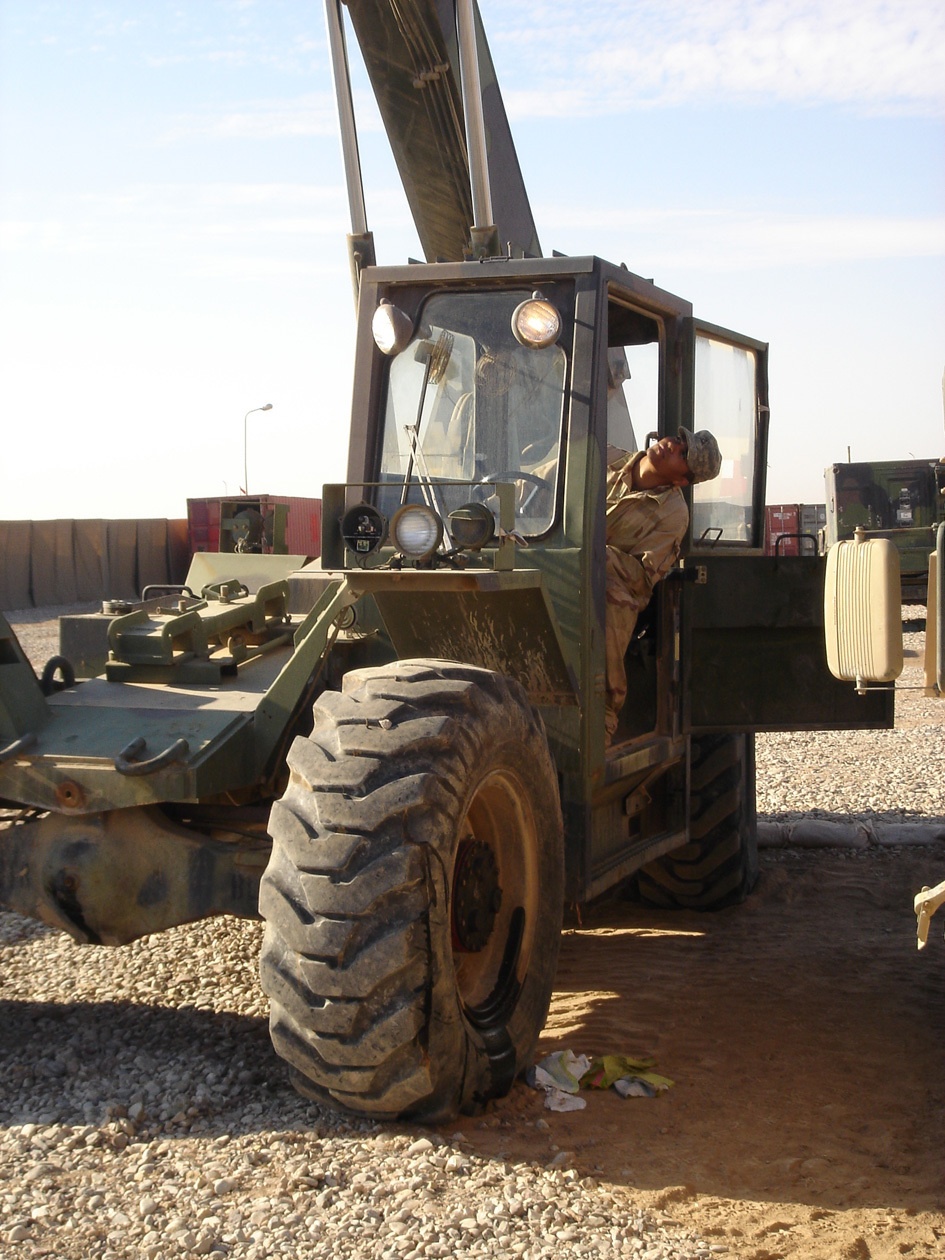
(558, 1100)
(612, 1069)
(634, 1087)
(562, 1074)
(562, 1070)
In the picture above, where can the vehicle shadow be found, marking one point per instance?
(803, 1033)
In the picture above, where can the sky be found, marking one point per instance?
(173, 221)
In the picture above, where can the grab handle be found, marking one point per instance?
(125, 762)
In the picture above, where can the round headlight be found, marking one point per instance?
(472, 526)
(363, 528)
(536, 322)
(392, 328)
(416, 530)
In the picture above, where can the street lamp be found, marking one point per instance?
(264, 407)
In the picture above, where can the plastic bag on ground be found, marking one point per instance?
(562, 1070)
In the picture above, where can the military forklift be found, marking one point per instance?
(396, 755)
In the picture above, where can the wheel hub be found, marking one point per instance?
(477, 897)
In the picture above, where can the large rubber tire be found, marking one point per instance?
(414, 896)
(719, 865)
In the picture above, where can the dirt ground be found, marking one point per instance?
(804, 1033)
(806, 1038)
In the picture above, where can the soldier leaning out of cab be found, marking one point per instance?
(647, 520)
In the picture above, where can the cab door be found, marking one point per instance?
(752, 625)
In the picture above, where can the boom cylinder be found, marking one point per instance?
(483, 233)
(360, 240)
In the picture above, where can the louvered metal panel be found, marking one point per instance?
(862, 611)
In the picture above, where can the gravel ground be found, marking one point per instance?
(872, 777)
(154, 1121)
(143, 1114)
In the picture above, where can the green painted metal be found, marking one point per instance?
(23, 709)
(733, 642)
(758, 657)
(110, 878)
(200, 701)
(902, 500)
(166, 755)
(411, 55)
(232, 724)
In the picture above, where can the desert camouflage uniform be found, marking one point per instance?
(644, 531)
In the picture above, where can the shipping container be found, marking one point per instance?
(799, 526)
(266, 523)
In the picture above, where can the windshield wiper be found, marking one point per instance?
(436, 357)
(436, 360)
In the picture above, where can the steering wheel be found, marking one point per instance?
(511, 474)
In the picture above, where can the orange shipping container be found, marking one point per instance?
(788, 520)
(299, 520)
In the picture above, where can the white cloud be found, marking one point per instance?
(192, 231)
(723, 240)
(313, 114)
(257, 218)
(871, 55)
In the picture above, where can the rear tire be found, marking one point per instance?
(413, 899)
(719, 865)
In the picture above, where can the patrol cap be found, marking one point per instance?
(702, 454)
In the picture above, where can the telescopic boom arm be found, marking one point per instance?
(433, 77)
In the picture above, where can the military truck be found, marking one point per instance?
(902, 500)
(396, 756)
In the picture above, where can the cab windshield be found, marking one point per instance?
(468, 405)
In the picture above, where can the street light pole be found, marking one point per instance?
(264, 407)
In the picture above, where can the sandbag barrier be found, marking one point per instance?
(78, 561)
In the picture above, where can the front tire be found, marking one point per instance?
(414, 896)
(719, 865)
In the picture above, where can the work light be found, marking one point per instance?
(416, 530)
(392, 328)
(535, 322)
